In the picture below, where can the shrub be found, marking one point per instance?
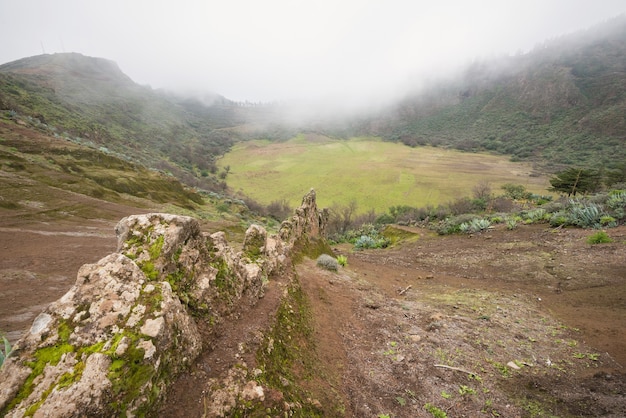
(608, 221)
(384, 219)
(617, 199)
(534, 215)
(617, 203)
(511, 223)
(516, 191)
(556, 206)
(461, 206)
(342, 260)
(503, 204)
(560, 218)
(599, 237)
(436, 412)
(453, 225)
(327, 262)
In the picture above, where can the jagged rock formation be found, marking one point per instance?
(112, 344)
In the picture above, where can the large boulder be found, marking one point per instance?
(107, 346)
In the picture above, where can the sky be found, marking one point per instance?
(285, 50)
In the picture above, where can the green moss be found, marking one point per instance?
(69, 378)
(395, 235)
(253, 254)
(129, 372)
(288, 352)
(42, 357)
(149, 270)
(311, 248)
(156, 247)
(176, 255)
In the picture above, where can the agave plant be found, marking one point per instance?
(586, 215)
(475, 225)
(7, 350)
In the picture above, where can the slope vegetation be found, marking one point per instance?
(90, 101)
(563, 103)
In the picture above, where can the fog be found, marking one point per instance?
(347, 52)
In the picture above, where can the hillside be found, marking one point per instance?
(562, 103)
(90, 101)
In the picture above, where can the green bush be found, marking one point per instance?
(511, 223)
(600, 237)
(559, 219)
(435, 411)
(342, 260)
(453, 225)
(327, 262)
(534, 215)
(516, 191)
(608, 221)
(617, 203)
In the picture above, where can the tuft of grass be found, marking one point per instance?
(435, 411)
(600, 237)
(342, 260)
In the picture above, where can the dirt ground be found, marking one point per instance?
(437, 321)
(530, 322)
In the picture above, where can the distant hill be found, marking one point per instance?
(563, 103)
(91, 101)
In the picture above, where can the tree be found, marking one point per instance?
(576, 180)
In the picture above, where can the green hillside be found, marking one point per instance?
(90, 101)
(563, 103)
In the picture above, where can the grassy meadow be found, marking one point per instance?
(374, 173)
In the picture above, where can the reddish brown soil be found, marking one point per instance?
(542, 297)
(534, 295)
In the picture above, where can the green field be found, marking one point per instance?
(376, 174)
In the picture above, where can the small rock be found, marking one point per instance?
(153, 327)
(148, 348)
(252, 391)
(512, 365)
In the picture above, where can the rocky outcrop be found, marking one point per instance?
(135, 319)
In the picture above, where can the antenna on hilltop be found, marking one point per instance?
(43, 50)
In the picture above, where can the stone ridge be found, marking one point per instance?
(130, 324)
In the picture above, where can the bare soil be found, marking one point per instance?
(431, 322)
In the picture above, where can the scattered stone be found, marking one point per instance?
(512, 365)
